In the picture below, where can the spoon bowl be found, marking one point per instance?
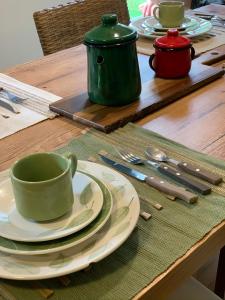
(156, 154)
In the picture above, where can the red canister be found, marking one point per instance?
(173, 55)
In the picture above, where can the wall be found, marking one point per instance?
(18, 38)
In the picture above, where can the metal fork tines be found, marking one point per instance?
(130, 157)
(171, 172)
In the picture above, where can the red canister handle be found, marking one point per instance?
(151, 58)
(192, 53)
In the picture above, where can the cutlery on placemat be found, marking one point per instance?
(153, 181)
(167, 170)
(8, 105)
(10, 95)
(209, 17)
(159, 155)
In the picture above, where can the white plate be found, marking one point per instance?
(88, 201)
(124, 217)
(199, 27)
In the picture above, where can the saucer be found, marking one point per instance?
(186, 24)
(197, 27)
(88, 201)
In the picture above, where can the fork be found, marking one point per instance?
(10, 96)
(166, 170)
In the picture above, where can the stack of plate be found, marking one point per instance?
(105, 212)
(150, 28)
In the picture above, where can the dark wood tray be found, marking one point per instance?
(156, 93)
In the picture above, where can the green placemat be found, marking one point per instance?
(155, 244)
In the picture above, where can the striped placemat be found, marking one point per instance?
(32, 107)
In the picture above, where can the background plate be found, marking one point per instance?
(148, 32)
(188, 22)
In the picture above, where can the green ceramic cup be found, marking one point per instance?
(42, 185)
(170, 14)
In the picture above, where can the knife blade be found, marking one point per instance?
(153, 181)
(180, 177)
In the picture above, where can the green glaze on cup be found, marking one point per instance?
(113, 70)
(169, 13)
(42, 185)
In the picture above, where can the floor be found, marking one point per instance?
(207, 273)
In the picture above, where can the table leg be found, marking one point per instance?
(220, 276)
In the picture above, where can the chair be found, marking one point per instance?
(64, 26)
(192, 289)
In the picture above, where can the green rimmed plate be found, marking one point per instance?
(199, 27)
(88, 201)
(125, 214)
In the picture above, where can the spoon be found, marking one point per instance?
(158, 155)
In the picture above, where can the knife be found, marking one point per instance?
(153, 181)
(180, 177)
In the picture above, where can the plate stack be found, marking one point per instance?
(105, 212)
(192, 26)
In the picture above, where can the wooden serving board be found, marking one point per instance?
(156, 93)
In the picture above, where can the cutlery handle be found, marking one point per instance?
(200, 172)
(171, 189)
(182, 178)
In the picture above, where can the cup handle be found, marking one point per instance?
(154, 12)
(151, 61)
(73, 161)
(192, 53)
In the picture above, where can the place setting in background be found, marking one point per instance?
(56, 218)
(170, 14)
(22, 105)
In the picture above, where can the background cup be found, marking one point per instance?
(170, 14)
(42, 185)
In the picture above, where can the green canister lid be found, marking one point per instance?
(110, 32)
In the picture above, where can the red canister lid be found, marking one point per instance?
(172, 40)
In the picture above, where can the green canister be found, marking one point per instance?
(113, 70)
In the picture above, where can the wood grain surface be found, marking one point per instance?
(196, 120)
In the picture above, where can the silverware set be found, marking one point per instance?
(176, 170)
(216, 20)
(8, 101)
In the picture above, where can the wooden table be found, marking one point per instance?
(197, 121)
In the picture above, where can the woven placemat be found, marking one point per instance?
(154, 245)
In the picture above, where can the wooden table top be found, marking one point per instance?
(196, 121)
